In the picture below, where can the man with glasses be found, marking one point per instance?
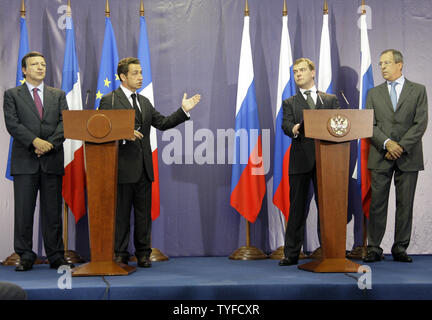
(400, 119)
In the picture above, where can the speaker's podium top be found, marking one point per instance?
(338, 125)
(99, 126)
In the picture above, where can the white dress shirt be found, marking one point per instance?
(40, 90)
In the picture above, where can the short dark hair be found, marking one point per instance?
(397, 55)
(31, 54)
(123, 65)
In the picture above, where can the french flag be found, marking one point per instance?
(147, 91)
(286, 89)
(325, 67)
(247, 180)
(74, 178)
(361, 172)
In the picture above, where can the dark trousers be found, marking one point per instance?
(137, 195)
(299, 197)
(405, 185)
(26, 188)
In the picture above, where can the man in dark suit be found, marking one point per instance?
(33, 117)
(400, 120)
(302, 168)
(135, 166)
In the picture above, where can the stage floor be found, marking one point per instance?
(219, 278)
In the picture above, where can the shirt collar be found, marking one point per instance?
(127, 92)
(400, 80)
(31, 87)
(313, 90)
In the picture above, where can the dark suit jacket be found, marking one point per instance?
(302, 154)
(406, 125)
(134, 156)
(24, 125)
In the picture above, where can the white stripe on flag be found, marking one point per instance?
(325, 68)
(246, 74)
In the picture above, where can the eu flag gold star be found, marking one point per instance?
(107, 82)
(117, 77)
(99, 95)
(22, 81)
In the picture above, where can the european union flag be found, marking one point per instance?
(22, 51)
(108, 79)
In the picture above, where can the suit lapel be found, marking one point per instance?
(48, 101)
(124, 102)
(121, 99)
(383, 90)
(28, 99)
(406, 89)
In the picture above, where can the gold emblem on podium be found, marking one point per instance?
(339, 125)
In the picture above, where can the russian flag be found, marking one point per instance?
(147, 91)
(74, 178)
(286, 89)
(361, 172)
(247, 180)
(22, 51)
(325, 67)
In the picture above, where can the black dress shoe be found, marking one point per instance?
(287, 262)
(24, 266)
(121, 259)
(61, 262)
(144, 262)
(402, 257)
(373, 256)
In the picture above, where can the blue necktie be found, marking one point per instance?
(393, 95)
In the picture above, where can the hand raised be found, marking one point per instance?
(189, 104)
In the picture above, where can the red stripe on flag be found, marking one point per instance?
(365, 176)
(249, 192)
(155, 204)
(74, 185)
(281, 197)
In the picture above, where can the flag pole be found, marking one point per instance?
(364, 215)
(359, 252)
(156, 255)
(14, 259)
(248, 252)
(69, 255)
(279, 254)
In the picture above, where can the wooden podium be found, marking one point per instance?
(333, 130)
(100, 130)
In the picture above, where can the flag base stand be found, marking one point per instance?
(155, 256)
(14, 260)
(358, 253)
(278, 254)
(73, 257)
(248, 253)
(317, 254)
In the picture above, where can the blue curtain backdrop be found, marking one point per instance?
(195, 48)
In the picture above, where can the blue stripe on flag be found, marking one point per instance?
(70, 64)
(144, 54)
(246, 120)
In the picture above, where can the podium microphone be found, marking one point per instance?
(86, 99)
(343, 96)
